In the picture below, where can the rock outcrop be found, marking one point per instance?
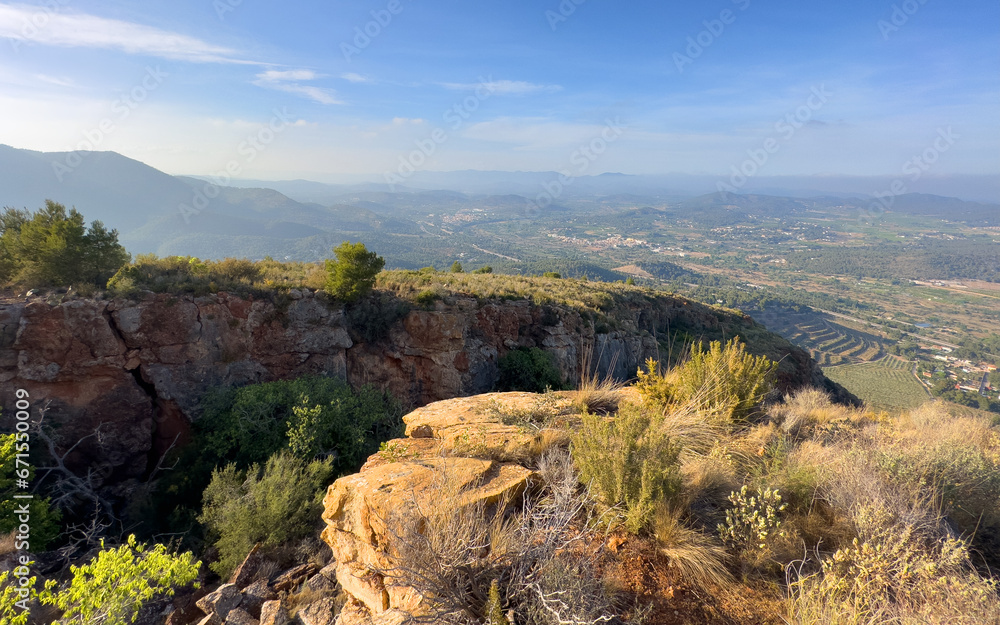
(138, 369)
(369, 513)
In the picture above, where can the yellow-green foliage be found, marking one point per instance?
(753, 519)
(113, 587)
(187, 274)
(628, 460)
(723, 381)
(896, 574)
(15, 600)
(494, 608)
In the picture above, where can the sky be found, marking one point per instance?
(320, 90)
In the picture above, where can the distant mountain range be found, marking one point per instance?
(163, 214)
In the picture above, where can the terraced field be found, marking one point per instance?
(829, 341)
(887, 383)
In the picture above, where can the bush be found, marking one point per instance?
(456, 267)
(352, 275)
(187, 274)
(753, 520)
(53, 247)
(723, 381)
(371, 318)
(113, 587)
(249, 424)
(272, 506)
(528, 369)
(628, 460)
(898, 574)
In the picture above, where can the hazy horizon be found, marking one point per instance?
(314, 92)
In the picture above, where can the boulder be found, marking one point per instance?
(274, 613)
(219, 602)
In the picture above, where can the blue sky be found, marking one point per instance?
(518, 85)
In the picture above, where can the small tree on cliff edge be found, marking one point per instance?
(352, 275)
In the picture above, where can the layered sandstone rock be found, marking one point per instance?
(369, 513)
(141, 367)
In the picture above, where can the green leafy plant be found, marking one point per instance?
(394, 451)
(628, 460)
(528, 369)
(352, 274)
(113, 587)
(270, 505)
(753, 519)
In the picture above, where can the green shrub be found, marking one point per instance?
(53, 247)
(271, 506)
(628, 460)
(187, 274)
(352, 275)
(551, 274)
(723, 381)
(752, 520)
(456, 267)
(113, 587)
(484, 269)
(249, 424)
(528, 369)
(427, 297)
(371, 318)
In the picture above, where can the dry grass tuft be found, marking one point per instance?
(696, 555)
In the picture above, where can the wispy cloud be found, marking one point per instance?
(503, 87)
(352, 77)
(289, 81)
(79, 30)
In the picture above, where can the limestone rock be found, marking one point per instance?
(322, 612)
(221, 601)
(274, 613)
(239, 616)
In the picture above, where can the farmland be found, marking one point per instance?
(886, 383)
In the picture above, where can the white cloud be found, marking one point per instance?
(352, 77)
(288, 81)
(47, 26)
(503, 87)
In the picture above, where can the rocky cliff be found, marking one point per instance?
(137, 368)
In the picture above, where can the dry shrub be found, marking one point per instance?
(894, 573)
(453, 554)
(594, 393)
(800, 413)
(696, 555)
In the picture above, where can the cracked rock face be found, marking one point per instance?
(140, 368)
